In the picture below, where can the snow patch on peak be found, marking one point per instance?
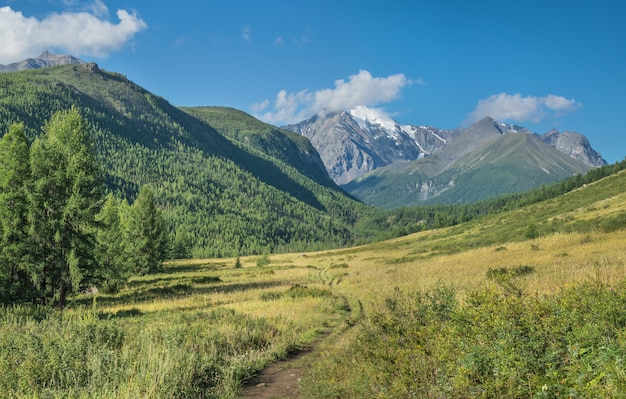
(373, 116)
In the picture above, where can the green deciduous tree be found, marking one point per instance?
(66, 197)
(531, 231)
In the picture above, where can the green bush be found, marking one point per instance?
(264, 260)
(494, 345)
(302, 291)
(518, 271)
(531, 231)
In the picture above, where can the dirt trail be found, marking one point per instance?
(279, 380)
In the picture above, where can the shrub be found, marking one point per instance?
(523, 270)
(531, 231)
(302, 291)
(568, 344)
(500, 272)
(264, 260)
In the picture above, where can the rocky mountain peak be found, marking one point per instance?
(575, 145)
(354, 143)
(45, 59)
(361, 140)
(487, 125)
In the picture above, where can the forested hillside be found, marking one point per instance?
(282, 144)
(227, 184)
(483, 162)
(57, 234)
(225, 196)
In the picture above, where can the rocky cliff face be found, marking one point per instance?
(46, 59)
(348, 151)
(350, 145)
(575, 145)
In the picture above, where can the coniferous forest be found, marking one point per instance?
(81, 144)
(224, 196)
(58, 233)
(101, 181)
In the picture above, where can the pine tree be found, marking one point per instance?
(66, 196)
(112, 262)
(14, 207)
(181, 248)
(145, 234)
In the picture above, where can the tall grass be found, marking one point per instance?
(514, 317)
(185, 334)
(77, 354)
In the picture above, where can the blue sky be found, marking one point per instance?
(541, 64)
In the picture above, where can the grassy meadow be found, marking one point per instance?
(481, 309)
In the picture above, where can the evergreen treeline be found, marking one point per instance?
(282, 144)
(226, 183)
(219, 195)
(407, 220)
(58, 233)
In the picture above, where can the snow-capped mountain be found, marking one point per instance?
(354, 143)
(481, 163)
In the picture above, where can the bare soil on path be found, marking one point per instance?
(280, 380)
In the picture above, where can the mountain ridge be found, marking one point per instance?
(351, 145)
(44, 60)
(228, 196)
(462, 173)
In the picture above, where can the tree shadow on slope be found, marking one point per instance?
(173, 291)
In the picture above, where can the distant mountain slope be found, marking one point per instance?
(46, 59)
(281, 144)
(483, 162)
(229, 197)
(575, 145)
(352, 144)
(351, 147)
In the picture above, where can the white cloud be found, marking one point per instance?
(99, 9)
(79, 33)
(246, 33)
(374, 115)
(561, 104)
(259, 107)
(515, 108)
(361, 89)
(95, 7)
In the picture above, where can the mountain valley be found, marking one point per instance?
(520, 294)
(229, 196)
(386, 164)
(221, 175)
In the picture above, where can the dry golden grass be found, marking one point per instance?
(558, 259)
(363, 277)
(369, 274)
